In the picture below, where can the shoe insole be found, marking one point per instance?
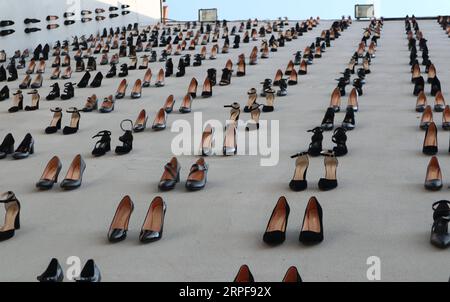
(278, 221)
(251, 100)
(169, 102)
(301, 166)
(160, 118)
(270, 99)
(434, 173)
(10, 218)
(312, 222)
(148, 76)
(431, 138)
(336, 98)
(193, 86)
(207, 86)
(155, 219)
(207, 138)
(122, 217)
(330, 168)
(50, 172)
(74, 120)
(141, 118)
(230, 137)
(74, 171)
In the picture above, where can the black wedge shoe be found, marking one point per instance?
(97, 82)
(126, 139)
(329, 182)
(74, 122)
(312, 228)
(349, 122)
(12, 217)
(440, 236)
(53, 274)
(119, 226)
(7, 146)
(103, 145)
(328, 120)
(69, 92)
(275, 233)
(340, 139)
(25, 149)
(315, 148)
(299, 182)
(84, 80)
(55, 93)
(152, 229)
(90, 273)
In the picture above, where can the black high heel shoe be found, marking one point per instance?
(55, 93)
(198, 176)
(12, 218)
(103, 145)
(97, 82)
(25, 149)
(50, 175)
(276, 227)
(112, 72)
(419, 86)
(90, 273)
(328, 120)
(435, 86)
(329, 182)
(152, 229)
(69, 92)
(126, 139)
(340, 139)
(74, 122)
(55, 124)
(315, 148)
(123, 70)
(312, 228)
(349, 122)
(440, 236)
(34, 101)
(119, 225)
(7, 146)
(84, 80)
(299, 182)
(74, 176)
(53, 273)
(18, 102)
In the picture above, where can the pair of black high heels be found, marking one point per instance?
(339, 138)
(440, 236)
(152, 228)
(55, 124)
(96, 82)
(54, 273)
(25, 149)
(103, 146)
(312, 228)
(12, 217)
(196, 180)
(349, 122)
(69, 92)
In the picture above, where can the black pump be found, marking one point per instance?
(97, 82)
(84, 80)
(169, 68)
(7, 146)
(328, 120)
(315, 148)
(126, 139)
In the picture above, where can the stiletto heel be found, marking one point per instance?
(270, 99)
(312, 227)
(315, 148)
(12, 217)
(207, 89)
(119, 225)
(74, 122)
(50, 175)
(433, 180)
(90, 272)
(103, 146)
(275, 233)
(335, 102)
(439, 104)
(446, 118)
(330, 181)
(126, 139)
(25, 83)
(147, 78)
(74, 175)
(430, 143)
(207, 141)
(7, 146)
(192, 90)
(136, 92)
(299, 182)
(152, 229)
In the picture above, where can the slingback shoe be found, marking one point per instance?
(25, 149)
(315, 148)
(292, 276)
(430, 144)
(171, 175)
(244, 275)
(53, 274)
(74, 122)
(440, 236)
(340, 139)
(102, 146)
(119, 225)
(197, 178)
(90, 273)
(12, 217)
(275, 233)
(299, 182)
(433, 180)
(74, 176)
(312, 227)
(7, 146)
(330, 181)
(152, 229)
(50, 175)
(328, 120)
(126, 139)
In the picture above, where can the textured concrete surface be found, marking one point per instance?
(380, 208)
